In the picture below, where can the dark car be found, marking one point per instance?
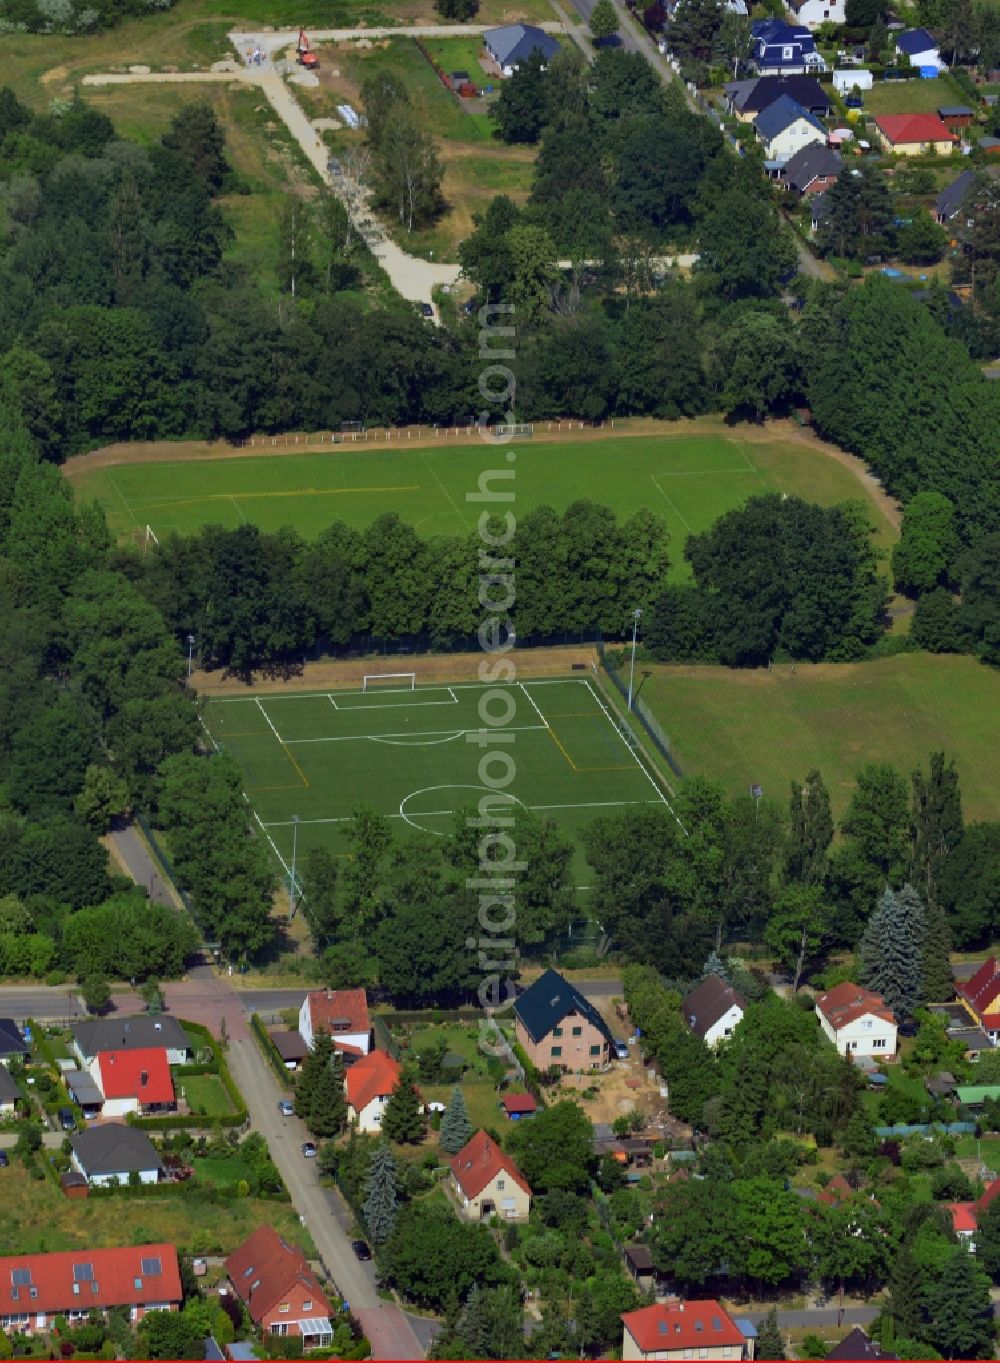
(66, 1119)
(907, 1029)
(4, 1159)
(426, 310)
(361, 1250)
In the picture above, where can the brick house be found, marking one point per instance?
(34, 1288)
(276, 1285)
(488, 1183)
(556, 1025)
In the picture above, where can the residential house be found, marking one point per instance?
(812, 13)
(291, 1047)
(941, 1085)
(713, 1010)
(517, 1106)
(274, 1282)
(781, 49)
(140, 1033)
(784, 128)
(134, 1081)
(748, 98)
(857, 1345)
(35, 1288)
(981, 995)
(819, 213)
(9, 1094)
(920, 47)
(677, 1329)
(957, 116)
(341, 1012)
(964, 1223)
(113, 1153)
(950, 202)
(369, 1084)
(512, 44)
(488, 1183)
(989, 146)
(857, 1021)
(838, 1190)
(12, 1044)
(915, 134)
(812, 170)
(556, 1025)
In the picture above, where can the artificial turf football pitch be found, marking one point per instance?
(689, 477)
(414, 755)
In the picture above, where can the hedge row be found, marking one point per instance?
(267, 1046)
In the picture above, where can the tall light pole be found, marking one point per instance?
(295, 848)
(191, 644)
(636, 615)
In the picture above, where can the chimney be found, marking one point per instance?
(329, 996)
(143, 1078)
(673, 1302)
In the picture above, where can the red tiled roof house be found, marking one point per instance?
(915, 134)
(981, 995)
(275, 1283)
(683, 1329)
(341, 1012)
(34, 1288)
(857, 1021)
(134, 1081)
(488, 1183)
(369, 1084)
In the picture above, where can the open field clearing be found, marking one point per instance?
(773, 728)
(413, 755)
(689, 479)
(912, 96)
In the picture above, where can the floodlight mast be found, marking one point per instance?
(636, 616)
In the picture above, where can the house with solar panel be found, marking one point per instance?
(35, 1288)
(686, 1329)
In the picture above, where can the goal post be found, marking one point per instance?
(389, 681)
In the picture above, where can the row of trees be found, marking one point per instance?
(255, 600)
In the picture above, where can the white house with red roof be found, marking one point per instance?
(133, 1081)
(488, 1183)
(369, 1084)
(964, 1222)
(34, 1288)
(341, 1012)
(857, 1021)
(684, 1329)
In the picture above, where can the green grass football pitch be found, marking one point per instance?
(689, 478)
(414, 755)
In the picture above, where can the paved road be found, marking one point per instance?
(274, 1000)
(817, 1315)
(130, 849)
(39, 1002)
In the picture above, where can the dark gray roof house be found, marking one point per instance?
(812, 167)
(544, 1004)
(949, 202)
(857, 1345)
(9, 1092)
(709, 1003)
(805, 90)
(142, 1032)
(12, 1043)
(914, 42)
(115, 1151)
(514, 43)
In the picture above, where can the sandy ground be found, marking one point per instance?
(438, 667)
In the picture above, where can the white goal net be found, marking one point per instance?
(389, 681)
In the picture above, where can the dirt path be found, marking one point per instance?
(435, 667)
(886, 503)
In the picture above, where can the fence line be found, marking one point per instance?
(374, 434)
(654, 730)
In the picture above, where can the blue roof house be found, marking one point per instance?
(780, 49)
(514, 43)
(784, 128)
(920, 47)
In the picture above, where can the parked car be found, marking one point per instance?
(66, 1119)
(361, 1250)
(4, 1159)
(426, 310)
(621, 1050)
(286, 1107)
(908, 1029)
(308, 1149)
